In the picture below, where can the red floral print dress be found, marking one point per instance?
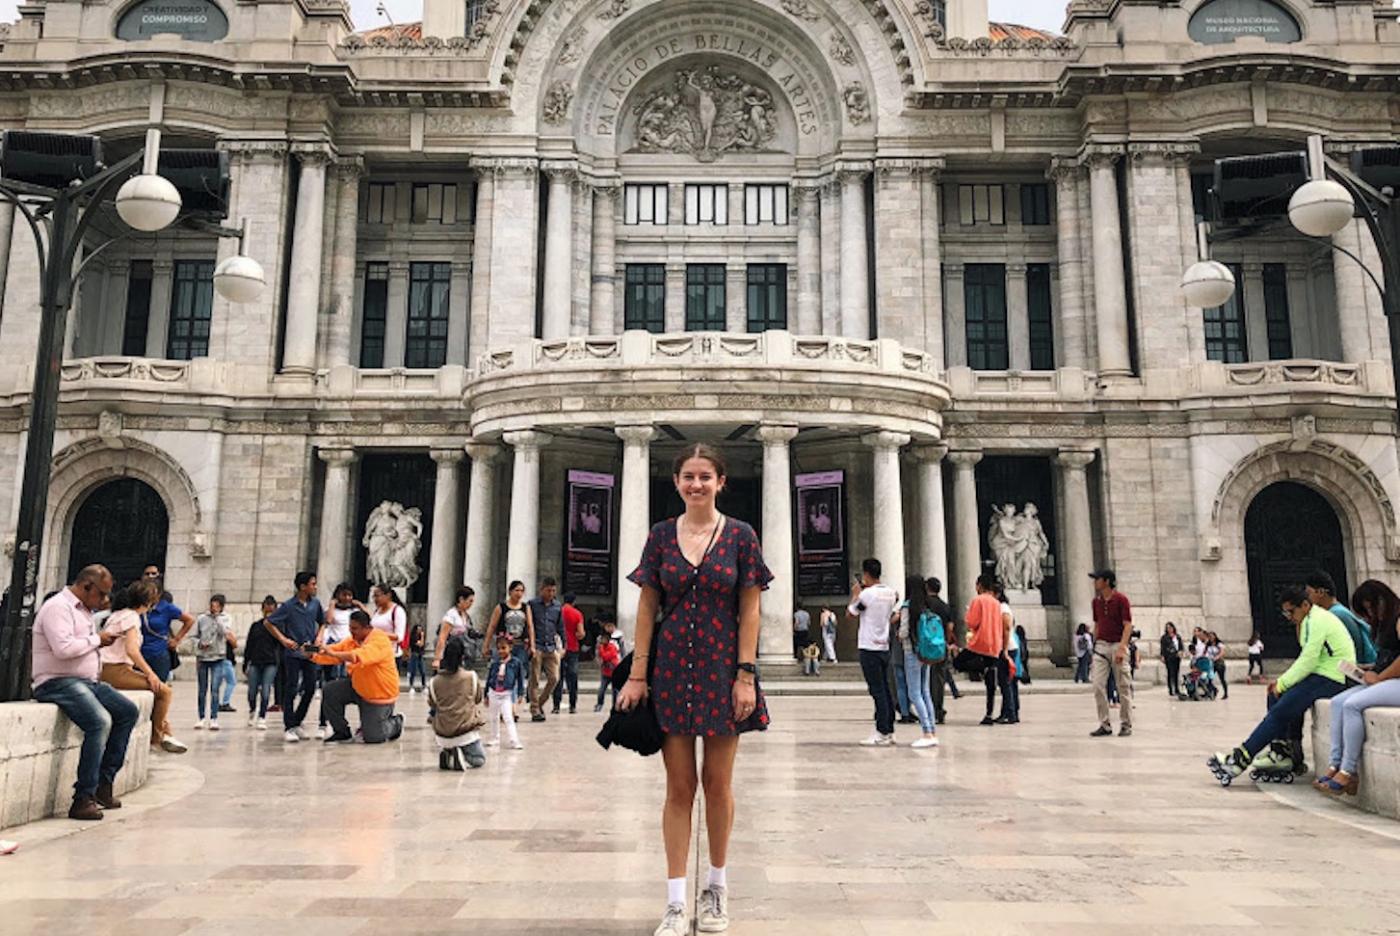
(695, 651)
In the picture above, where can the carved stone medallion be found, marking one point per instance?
(706, 113)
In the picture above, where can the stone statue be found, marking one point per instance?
(393, 537)
(705, 112)
(1019, 545)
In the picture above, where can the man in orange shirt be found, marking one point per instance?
(987, 632)
(372, 684)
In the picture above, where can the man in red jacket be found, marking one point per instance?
(571, 619)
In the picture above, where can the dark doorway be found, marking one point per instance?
(407, 479)
(1019, 480)
(123, 525)
(742, 499)
(1290, 530)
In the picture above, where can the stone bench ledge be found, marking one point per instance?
(1379, 769)
(39, 749)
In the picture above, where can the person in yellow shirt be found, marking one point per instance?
(371, 684)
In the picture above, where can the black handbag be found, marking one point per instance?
(636, 729)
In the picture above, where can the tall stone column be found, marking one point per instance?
(558, 249)
(899, 251)
(514, 248)
(523, 537)
(775, 637)
(809, 260)
(1353, 292)
(331, 565)
(888, 505)
(967, 535)
(477, 569)
(447, 533)
(304, 293)
(158, 321)
(955, 315)
(1069, 324)
(932, 238)
(933, 533)
(635, 518)
(602, 297)
(480, 327)
(1078, 560)
(1110, 293)
(1018, 317)
(855, 260)
(396, 319)
(258, 196)
(348, 172)
(1256, 317)
(829, 195)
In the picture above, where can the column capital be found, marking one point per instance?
(1101, 155)
(350, 168)
(313, 154)
(338, 457)
(929, 452)
(912, 166)
(498, 166)
(850, 171)
(886, 441)
(608, 188)
(446, 456)
(527, 439)
(1064, 169)
(635, 435)
(1074, 459)
(1165, 151)
(560, 171)
(965, 459)
(482, 451)
(776, 435)
(248, 150)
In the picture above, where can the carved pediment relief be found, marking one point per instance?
(705, 110)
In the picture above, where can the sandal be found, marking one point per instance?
(1321, 781)
(1335, 787)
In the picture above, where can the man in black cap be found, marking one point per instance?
(1113, 628)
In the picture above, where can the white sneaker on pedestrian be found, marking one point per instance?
(214, 724)
(301, 733)
(712, 915)
(199, 725)
(262, 724)
(674, 923)
(172, 745)
(321, 733)
(925, 743)
(291, 737)
(877, 739)
(517, 746)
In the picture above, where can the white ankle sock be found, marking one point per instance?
(675, 891)
(718, 877)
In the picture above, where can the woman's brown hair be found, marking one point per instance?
(141, 593)
(699, 450)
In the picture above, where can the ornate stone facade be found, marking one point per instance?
(895, 233)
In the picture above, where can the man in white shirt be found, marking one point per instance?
(873, 603)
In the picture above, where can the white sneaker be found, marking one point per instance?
(262, 724)
(172, 745)
(674, 923)
(321, 733)
(713, 915)
(517, 746)
(199, 725)
(301, 733)
(214, 725)
(925, 743)
(878, 740)
(291, 737)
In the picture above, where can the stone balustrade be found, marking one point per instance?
(1379, 770)
(1213, 378)
(39, 750)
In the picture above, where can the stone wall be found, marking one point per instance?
(39, 750)
(1379, 769)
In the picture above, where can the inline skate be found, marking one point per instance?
(1227, 767)
(1276, 765)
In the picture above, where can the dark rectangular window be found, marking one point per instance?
(767, 296)
(379, 203)
(1226, 338)
(434, 202)
(374, 322)
(1035, 204)
(704, 297)
(1040, 311)
(138, 309)
(984, 291)
(429, 290)
(644, 297)
(191, 307)
(1276, 312)
(1201, 184)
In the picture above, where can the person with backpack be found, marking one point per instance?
(924, 641)
(1321, 592)
(940, 676)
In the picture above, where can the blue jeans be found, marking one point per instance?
(1284, 720)
(415, 665)
(211, 676)
(1081, 668)
(159, 664)
(901, 689)
(105, 717)
(1349, 720)
(874, 666)
(261, 677)
(916, 677)
(230, 683)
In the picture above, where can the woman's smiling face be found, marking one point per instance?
(698, 482)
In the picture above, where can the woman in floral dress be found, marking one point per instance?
(702, 573)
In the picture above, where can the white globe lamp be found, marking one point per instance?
(1321, 208)
(239, 278)
(148, 202)
(1208, 284)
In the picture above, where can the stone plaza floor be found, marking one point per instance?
(1029, 829)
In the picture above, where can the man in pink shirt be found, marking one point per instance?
(65, 673)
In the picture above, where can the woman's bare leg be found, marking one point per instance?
(679, 755)
(718, 777)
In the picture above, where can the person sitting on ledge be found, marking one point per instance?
(1315, 674)
(372, 684)
(66, 667)
(1379, 685)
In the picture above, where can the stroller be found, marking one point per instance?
(1199, 684)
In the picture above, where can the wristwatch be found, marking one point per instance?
(750, 668)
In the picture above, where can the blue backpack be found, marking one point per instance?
(930, 644)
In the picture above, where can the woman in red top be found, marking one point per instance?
(703, 571)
